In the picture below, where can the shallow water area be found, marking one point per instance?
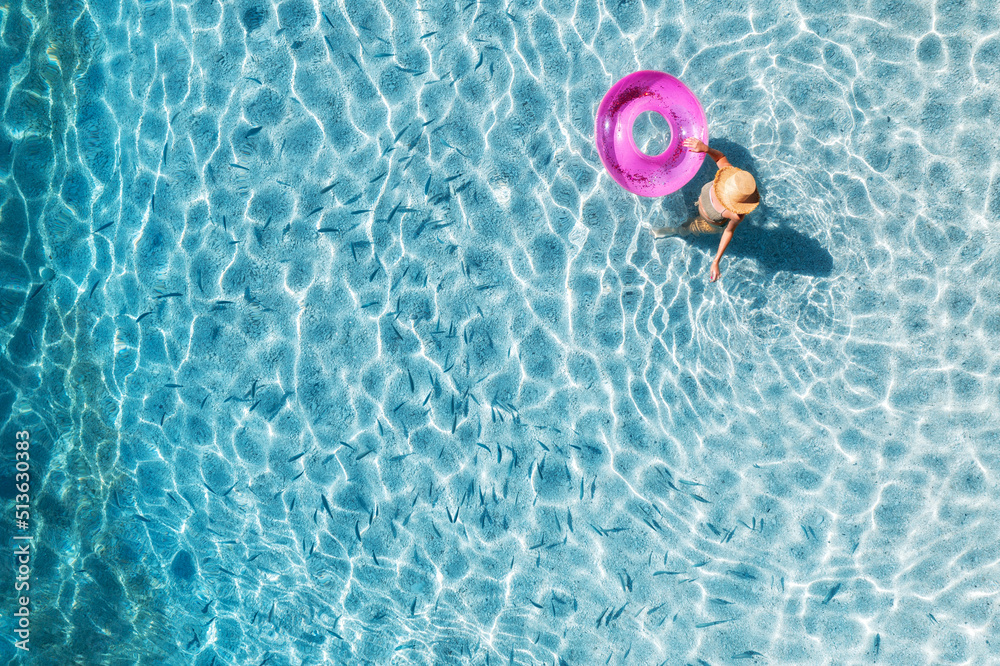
(338, 345)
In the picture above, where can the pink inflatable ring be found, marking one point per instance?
(650, 175)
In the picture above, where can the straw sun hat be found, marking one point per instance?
(736, 190)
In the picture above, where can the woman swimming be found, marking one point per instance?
(722, 205)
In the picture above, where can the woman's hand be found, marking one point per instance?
(714, 273)
(692, 143)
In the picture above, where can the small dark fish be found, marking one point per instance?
(238, 166)
(296, 456)
(749, 654)
(378, 177)
(143, 518)
(314, 211)
(711, 624)
(172, 294)
(328, 230)
(831, 594)
(700, 498)
(878, 643)
(142, 316)
(327, 19)
(105, 226)
(253, 131)
(428, 34)
(250, 78)
(741, 574)
(393, 213)
(35, 292)
(174, 385)
(328, 188)
(326, 506)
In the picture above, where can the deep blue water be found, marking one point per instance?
(338, 345)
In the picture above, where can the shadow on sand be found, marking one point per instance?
(780, 249)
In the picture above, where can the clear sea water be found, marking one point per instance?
(349, 351)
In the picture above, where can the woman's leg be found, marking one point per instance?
(664, 232)
(696, 225)
(700, 225)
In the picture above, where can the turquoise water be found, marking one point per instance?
(349, 351)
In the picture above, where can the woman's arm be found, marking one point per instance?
(727, 236)
(699, 146)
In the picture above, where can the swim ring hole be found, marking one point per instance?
(651, 133)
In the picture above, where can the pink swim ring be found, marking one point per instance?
(650, 175)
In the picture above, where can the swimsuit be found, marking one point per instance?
(714, 222)
(714, 215)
